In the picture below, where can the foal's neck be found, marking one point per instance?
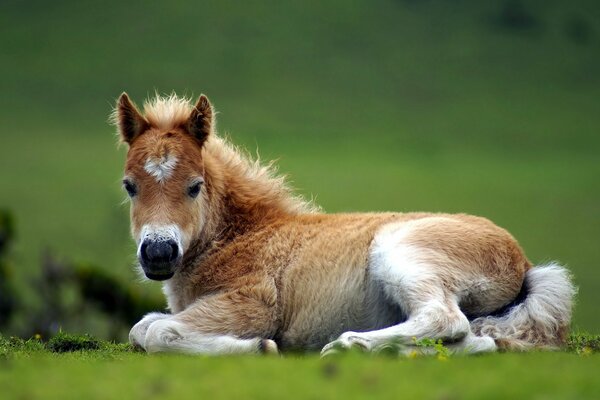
(242, 195)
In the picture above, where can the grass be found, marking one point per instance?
(583, 343)
(113, 370)
(134, 376)
(65, 343)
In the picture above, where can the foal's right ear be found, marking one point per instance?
(201, 121)
(129, 120)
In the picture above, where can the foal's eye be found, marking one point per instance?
(194, 189)
(129, 187)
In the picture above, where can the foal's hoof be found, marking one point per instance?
(347, 341)
(333, 349)
(268, 346)
(136, 337)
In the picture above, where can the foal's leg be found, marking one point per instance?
(434, 319)
(137, 334)
(230, 323)
(171, 335)
(412, 278)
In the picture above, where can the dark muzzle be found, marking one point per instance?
(159, 258)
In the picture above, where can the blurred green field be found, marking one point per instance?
(406, 105)
(77, 367)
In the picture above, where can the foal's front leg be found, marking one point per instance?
(171, 335)
(137, 334)
(229, 323)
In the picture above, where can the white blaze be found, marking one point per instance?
(161, 168)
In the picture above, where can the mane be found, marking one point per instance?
(166, 112)
(265, 181)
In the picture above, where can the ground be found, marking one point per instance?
(31, 370)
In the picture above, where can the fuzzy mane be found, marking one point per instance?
(167, 112)
(265, 181)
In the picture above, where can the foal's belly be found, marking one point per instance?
(351, 306)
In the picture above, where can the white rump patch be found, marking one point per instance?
(162, 168)
(408, 274)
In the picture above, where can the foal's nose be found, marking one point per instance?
(159, 252)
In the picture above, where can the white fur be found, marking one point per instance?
(172, 335)
(160, 233)
(137, 334)
(544, 311)
(170, 289)
(161, 168)
(402, 270)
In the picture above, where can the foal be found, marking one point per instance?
(247, 267)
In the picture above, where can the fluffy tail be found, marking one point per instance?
(541, 319)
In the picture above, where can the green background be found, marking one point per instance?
(459, 106)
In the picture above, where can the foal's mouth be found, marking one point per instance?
(160, 271)
(160, 276)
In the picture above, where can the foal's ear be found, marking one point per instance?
(201, 119)
(129, 120)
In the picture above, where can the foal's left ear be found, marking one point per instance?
(129, 120)
(200, 123)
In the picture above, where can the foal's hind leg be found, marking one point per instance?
(411, 278)
(433, 319)
(474, 344)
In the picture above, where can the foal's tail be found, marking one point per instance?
(541, 319)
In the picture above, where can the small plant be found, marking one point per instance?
(64, 342)
(12, 345)
(583, 343)
(419, 347)
(431, 346)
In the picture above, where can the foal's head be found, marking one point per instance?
(164, 177)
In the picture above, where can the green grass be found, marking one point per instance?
(557, 376)
(115, 371)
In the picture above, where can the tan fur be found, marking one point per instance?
(262, 263)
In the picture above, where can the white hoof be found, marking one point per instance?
(268, 346)
(346, 341)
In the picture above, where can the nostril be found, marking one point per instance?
(143, 251)
(174, 251)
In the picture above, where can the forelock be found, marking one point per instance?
(167, 112)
